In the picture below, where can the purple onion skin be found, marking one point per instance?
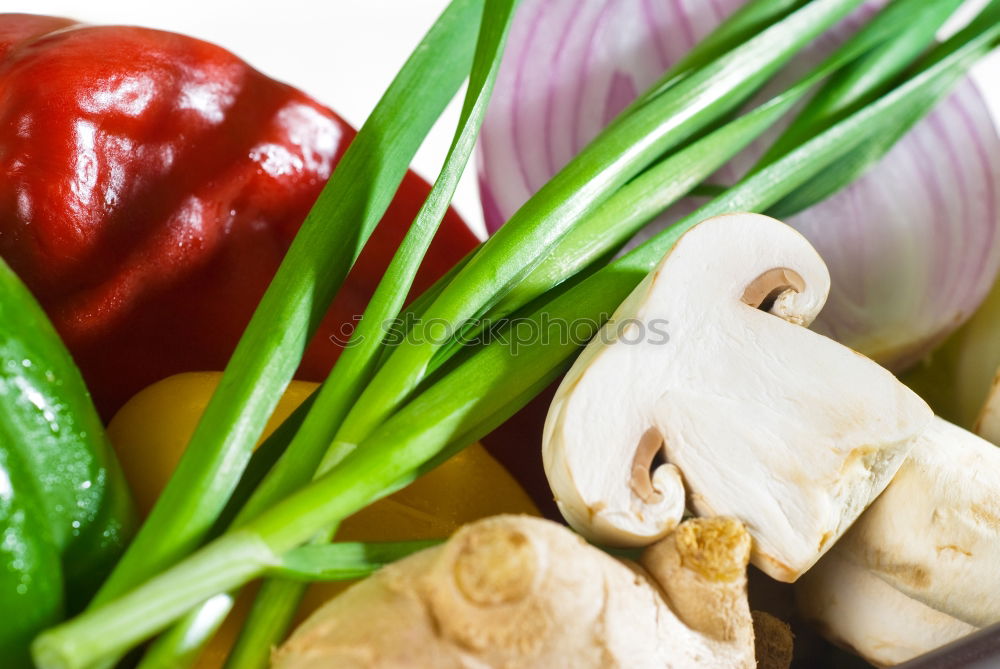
(913, 246)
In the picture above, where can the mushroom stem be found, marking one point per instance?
(856, 609)
(933, 534)
(919, 568)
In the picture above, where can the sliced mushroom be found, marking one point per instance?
(766, 421)
(988, 424)
(515, 591)
(934, 534)
(856, 609)
(919, 568)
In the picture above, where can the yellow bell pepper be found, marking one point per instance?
(151, 431)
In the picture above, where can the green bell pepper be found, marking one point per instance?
(65, 511)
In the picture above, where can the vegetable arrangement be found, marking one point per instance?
(394, 408)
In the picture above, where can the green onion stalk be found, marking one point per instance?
(354, 368)
(330, 239)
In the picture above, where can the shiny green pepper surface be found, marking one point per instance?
(65, 512)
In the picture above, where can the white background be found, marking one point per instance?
(342, 52)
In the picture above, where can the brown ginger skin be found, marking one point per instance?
(702, 569)
(521, 592)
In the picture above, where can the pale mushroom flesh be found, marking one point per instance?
(934, 534)
(757, 416)
(856, 609)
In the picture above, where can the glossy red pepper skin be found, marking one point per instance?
(150, 184)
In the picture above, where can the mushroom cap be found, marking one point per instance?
(934, 534)
(758, 417)
(855, 608)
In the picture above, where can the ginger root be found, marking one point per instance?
(515, 591)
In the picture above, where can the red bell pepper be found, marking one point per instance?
(151, 184)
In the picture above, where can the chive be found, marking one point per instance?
(352, 370)
(917, 23)
(343, 561)
(851, 88)
(350, 206)
(738, 27)
(309, 451)
(739, 74)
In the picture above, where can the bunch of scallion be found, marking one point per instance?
(386, 414)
